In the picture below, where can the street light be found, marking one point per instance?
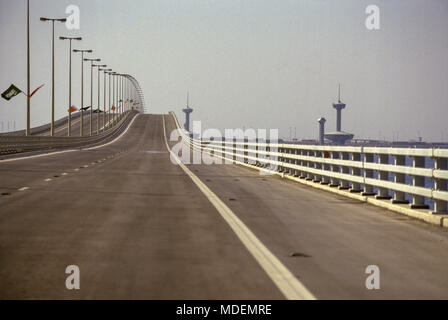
(52, 69)
(70, 82)
(105, 71)
(114, 97)
(119, 95)
(82, 87)
(122, 94)
(110, 97)
(91, 91)
(98, 109)
(28, 132)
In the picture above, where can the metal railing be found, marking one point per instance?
(17, 144)
(416, 176)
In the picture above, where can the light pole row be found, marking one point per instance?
(70, 82)
(81, 133)
(114, 101)
(52, 69)
(117, 98)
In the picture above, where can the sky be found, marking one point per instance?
(246, 63)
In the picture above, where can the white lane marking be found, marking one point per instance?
(108, 123)
(59, 152)
(77, 169)
(36, 156)
(285, 281)
(64, 173)
(24, 188)
(46, 180)
(117, 138)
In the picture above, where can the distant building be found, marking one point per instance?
(339, 137)
(187, 111)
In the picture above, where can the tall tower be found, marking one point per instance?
(339, 137)
(187, 111)
(339, 106)
(321, 130)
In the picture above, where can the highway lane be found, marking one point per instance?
(337, 237)
(138, 227)
(135, 224)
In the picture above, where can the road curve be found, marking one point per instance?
(139, 228)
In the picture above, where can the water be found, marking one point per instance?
(429, 183)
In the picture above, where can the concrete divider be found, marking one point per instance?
(17, 144)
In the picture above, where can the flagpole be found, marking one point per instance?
(28, 68)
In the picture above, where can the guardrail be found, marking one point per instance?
(10, 144)
(42, 128)
(16, 144)
(371, 171)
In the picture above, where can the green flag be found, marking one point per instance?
(11, 92)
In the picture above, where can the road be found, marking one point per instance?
(138, 227)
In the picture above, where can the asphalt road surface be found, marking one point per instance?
(139, 228)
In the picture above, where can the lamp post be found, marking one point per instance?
(114, 99)
(82, 88)
(129, 94)
(119, 96)
(122, 94)
(108, 113)
(91, 124)
(105, 72)
(70, 82)
(99, 66)
(52, 70)
(91, 91)
(28, 67)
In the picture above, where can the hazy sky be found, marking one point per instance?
(252, 63)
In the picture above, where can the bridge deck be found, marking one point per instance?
(138, 227)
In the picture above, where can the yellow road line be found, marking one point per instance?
(285, 281)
